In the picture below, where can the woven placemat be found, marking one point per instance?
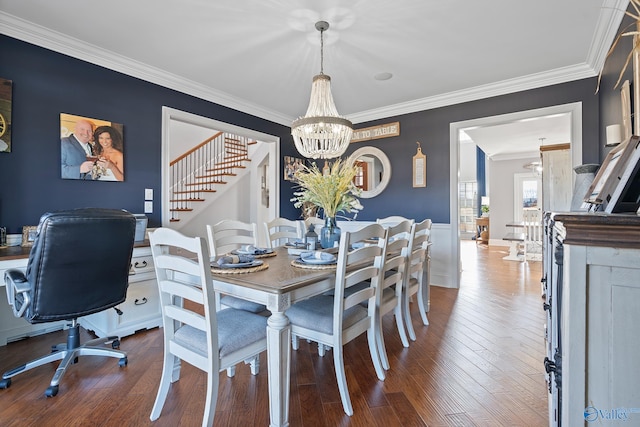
(267, 255)
(300, 264)
(261, 267)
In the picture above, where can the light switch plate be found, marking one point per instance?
(148, 193)
(148, 207)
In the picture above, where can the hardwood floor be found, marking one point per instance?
(478, 363)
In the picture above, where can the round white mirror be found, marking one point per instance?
(375, 170)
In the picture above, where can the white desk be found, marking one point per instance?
(277, 287)
(140, 311)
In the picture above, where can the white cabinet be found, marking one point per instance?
(141, 310)
(598, 339)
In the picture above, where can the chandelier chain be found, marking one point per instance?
(321, 52)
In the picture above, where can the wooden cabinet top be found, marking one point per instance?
(17, 252)
(601, 229)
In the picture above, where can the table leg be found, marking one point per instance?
(279, 361)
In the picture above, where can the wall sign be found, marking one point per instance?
(419, 168)
(376, 132)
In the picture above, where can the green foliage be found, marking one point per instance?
(334, 192)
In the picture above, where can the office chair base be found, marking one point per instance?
(68, 354)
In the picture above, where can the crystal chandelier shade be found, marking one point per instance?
(321, 133)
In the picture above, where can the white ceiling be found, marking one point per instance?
(259, 56)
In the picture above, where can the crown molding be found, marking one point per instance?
(611, 14)
(532, 81)
(35, 34)
(609, 20)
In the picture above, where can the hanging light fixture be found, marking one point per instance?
(321, 133)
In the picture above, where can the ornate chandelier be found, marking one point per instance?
(322, 132)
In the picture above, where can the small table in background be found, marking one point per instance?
(482, 224)
(517, 240)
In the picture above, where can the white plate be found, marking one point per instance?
(317, 261)
(241, 264)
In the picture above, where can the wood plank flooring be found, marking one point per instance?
(478, 363)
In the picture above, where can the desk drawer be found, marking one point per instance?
(141, 264)
(141, 310)
(143, 302)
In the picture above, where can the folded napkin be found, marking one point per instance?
(317, 256)
(234, 259)
(251, 250)
(296, 244)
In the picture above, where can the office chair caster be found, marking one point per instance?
(123, 362)
(115, 344)
(5, 383)
(51, 391)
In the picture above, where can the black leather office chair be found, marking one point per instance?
(78, 265)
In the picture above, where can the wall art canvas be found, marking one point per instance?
(291, 166)
(91, 149)
(5, 115)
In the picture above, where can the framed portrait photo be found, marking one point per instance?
(91, 149)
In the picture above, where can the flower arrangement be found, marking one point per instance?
(334, 191)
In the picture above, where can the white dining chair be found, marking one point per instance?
(417, 277)
(212, 341)
(335, 320)
(392, 283)
(279, 231)
(224, 237)
(393, 220)
(230, 234)
(318, 223)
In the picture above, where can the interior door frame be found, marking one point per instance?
(170, 114)
(573, 109)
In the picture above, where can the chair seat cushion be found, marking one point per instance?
(317, 314)
(242, 304)
(236, 329)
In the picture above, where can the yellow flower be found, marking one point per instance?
(333, 192)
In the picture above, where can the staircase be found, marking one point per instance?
(204, 169)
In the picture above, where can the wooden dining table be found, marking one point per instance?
(278, 287)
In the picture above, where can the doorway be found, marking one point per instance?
(527, 190)
(253, 198)
(574, 110)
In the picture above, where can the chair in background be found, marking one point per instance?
(78, 265)
(280, 230)
(418, 275)
(211, 342)
(392, 283)
(230, 234)
(532, 220)
(224, 237)
(334, 320)
(393, 220)
(318, 223)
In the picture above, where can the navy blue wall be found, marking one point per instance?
(431, 128)
(46, 83)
